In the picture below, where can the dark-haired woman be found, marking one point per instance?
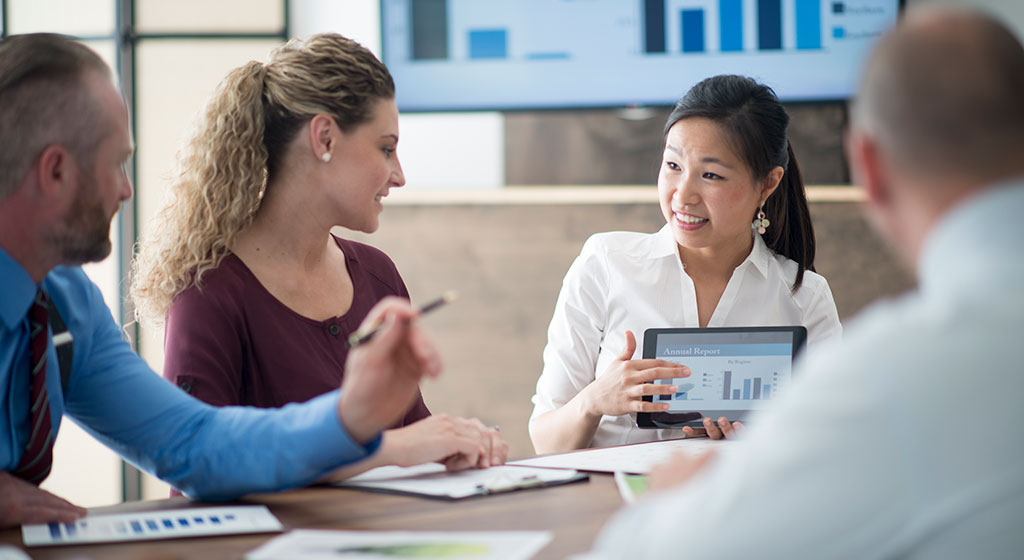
(737, 250)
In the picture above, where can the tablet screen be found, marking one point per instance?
(734, 370)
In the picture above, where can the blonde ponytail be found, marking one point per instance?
(220, 179)
(240, 139)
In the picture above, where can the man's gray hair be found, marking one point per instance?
(44, 101)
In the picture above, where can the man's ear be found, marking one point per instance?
(867, 168)
(55, 171)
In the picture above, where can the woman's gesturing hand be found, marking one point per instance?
(622, 386)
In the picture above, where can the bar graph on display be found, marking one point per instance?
(732, 26)
(598, 51)
(483, 30)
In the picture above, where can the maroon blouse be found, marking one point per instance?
(233, 343)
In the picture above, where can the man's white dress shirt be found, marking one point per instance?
(906, 442)
(636, 281)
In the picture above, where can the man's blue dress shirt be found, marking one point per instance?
(209, 453)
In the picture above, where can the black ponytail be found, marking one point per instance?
(791, 233)
(756, 123)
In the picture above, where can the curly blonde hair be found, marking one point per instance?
(240, 140)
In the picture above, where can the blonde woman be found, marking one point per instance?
(259, 296)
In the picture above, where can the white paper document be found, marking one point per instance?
(151, 525)
(432, 480)
(637, 458)
(422, 545)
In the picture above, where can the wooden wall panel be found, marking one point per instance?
(613, 147)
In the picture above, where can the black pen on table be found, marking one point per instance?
(364, 334)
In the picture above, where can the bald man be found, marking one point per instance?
(905, 442)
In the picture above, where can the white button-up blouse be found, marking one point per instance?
(636, 281)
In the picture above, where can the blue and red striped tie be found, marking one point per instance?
(35, 463)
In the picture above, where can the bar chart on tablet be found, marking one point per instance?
(730, 376)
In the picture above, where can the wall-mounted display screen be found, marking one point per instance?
(540, 54)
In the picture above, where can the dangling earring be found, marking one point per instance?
(326, 157)
(761, 223)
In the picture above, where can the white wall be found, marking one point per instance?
(437, 150)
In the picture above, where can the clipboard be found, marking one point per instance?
(431, 480)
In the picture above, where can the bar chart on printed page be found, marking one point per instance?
(457, 53)
(156, 525)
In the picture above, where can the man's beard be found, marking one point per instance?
(84, 234)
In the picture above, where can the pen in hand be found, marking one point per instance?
(366, 333)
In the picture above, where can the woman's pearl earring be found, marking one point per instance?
(326, 157)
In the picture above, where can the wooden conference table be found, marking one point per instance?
(574, 513)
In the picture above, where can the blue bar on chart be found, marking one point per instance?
(654, 26)
(547, 56)
(769, 25)
(767, 391)
(746, 389)
(808, 24)
(735, 394)
(757, 388)
(727, 383)
(429, 29)
(488, 44)
(693, 30)
(730, 24)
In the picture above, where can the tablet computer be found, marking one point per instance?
(734, 370)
